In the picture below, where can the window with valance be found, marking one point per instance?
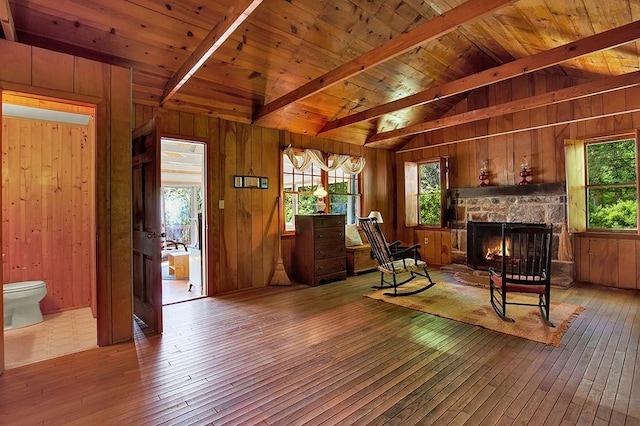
(317, 182)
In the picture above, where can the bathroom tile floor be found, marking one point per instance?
(59, 334)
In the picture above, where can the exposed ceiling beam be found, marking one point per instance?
(563, 95)
(6, 20)
(606, 40)
(234, 17)
(430, 30)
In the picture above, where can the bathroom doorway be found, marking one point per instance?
(182, 174)
(49, 217)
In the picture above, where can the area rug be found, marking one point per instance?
(472, 278)
(470, 304)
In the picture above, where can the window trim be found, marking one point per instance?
(576, 182)
(411, 192)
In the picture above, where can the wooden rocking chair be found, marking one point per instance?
(393, 260)
(526, 268)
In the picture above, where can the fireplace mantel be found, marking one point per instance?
(556, 188)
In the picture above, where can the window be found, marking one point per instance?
(338, 174)
(602, 182)
(180, 205)
(344, 195)
(426, 185)
(429, 194)
(298, 190)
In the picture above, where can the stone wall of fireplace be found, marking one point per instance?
(542, 203)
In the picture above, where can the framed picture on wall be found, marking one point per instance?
(260, 182)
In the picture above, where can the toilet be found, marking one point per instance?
(22, 303)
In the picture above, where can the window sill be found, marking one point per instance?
(619, 235)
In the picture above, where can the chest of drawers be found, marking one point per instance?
(319, 253)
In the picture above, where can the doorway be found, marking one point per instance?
(183, 186)
(49, 216)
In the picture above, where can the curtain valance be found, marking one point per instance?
(348, 164)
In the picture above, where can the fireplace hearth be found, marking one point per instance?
(537, 203)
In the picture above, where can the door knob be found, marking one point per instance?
(151, 235)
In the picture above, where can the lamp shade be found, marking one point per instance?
(377, 215)
(320, 192)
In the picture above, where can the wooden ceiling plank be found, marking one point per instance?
(6, 20)
(563, 95)
(428, 31)
(606, 40)
(236, 15)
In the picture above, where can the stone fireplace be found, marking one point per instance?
(491, 206)
(484, 244)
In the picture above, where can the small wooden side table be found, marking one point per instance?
(179, 264)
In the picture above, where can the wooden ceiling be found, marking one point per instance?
(369, 72)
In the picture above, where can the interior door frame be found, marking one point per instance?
(205, 210)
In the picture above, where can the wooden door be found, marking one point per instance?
(147, 278)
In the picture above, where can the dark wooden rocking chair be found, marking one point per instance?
(526, 268)
(393, 260)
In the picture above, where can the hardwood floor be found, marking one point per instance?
(328, 355)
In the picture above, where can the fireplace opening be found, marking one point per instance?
(484, 244)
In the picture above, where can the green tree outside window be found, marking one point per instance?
(611, 185)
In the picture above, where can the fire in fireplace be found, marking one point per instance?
(484, 244)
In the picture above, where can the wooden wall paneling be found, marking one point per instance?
(522, 141)
(547, 154)
(564, 112)
(459, 171)
(64, 212)
(185, 124)
(595, 127)
(259, 213)
(215, 194)
(622, 121)
(603, 261)
(581, 258)
(228, 231)
(53, 70)
(380, 190)
(57, 211)
(627, 264)
(201, 127)
(19, 56)
(501, 150)
(243, 219)
(403, 233)
(79, 249)
(118, 97)
(170, 121)
(582, 108)
(90, 78)
(271, 157)
(537, 171)
(89, 227)
(49, 217)
(632, 100)
(6, 254)
(104, 275)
